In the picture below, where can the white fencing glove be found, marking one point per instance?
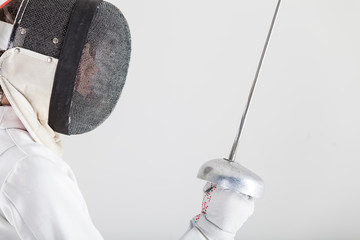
(223, 213)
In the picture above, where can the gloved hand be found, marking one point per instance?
(223, 213)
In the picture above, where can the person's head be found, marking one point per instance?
(65, 64)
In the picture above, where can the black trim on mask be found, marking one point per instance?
(70, 55)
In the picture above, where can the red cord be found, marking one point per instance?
(5, 3)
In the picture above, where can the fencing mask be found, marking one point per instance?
(64, 65)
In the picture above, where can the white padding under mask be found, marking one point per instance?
(5, 33)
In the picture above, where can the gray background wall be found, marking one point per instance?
(192, 66)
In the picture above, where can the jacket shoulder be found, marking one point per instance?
(25, 143)
(34, 158)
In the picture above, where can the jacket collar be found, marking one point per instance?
(8, 119)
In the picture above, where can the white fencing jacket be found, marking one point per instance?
(39, 195)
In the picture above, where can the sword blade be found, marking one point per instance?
(232, 155)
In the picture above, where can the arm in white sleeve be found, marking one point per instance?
(41, 199)
(193, 233)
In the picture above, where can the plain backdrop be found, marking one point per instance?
(193, 62)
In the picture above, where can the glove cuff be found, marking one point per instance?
(212, 231)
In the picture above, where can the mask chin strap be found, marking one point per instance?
(5, 33)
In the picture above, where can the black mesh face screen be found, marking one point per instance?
(102, 71)
(43, 26)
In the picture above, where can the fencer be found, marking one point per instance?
(62, 69)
